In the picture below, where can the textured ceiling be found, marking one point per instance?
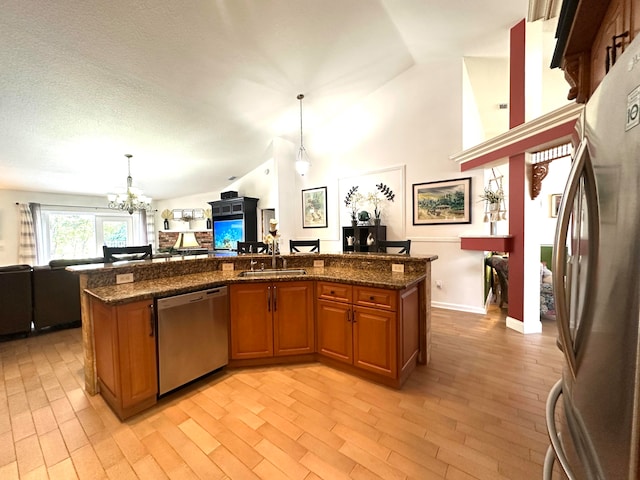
(197, 90)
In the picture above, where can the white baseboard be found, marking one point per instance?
(461, 308)
(518, 326)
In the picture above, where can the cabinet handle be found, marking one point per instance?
(353, 317)
(372, 298)
(152, 320)
(332, 292)
(268, 299)
(275, 299)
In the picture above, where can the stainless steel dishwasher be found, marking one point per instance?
(192, 336)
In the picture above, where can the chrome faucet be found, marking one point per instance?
(253, 262)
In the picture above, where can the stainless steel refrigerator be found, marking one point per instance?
(593, 413)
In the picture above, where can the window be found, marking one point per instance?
(81, 233)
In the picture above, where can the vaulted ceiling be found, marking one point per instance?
(197, 90)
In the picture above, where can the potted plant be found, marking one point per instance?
(376, 199)
(167, 215)
(492, 197)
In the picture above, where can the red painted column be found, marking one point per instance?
(517, 172)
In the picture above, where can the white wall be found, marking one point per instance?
(415, 121)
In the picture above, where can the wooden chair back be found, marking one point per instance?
(138, 252)
(314, 245)
(403, 245)
(252, 247)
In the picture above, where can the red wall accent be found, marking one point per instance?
(492, 244)
(516, 74)
(516, 173)
(517, 194)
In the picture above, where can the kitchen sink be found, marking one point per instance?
(274, 272)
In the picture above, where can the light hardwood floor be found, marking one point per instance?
(476, 412)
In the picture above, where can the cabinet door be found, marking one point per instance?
(293, 318)
(335, 336)
(612, 24)
(105, 332)
(137, 342)
(251, 320)
(374, 340)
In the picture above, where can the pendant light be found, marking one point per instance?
(132, 200)
(302, 160)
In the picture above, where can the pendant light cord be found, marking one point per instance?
(300, 97)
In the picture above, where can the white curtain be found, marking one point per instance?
(36, 215)
(27, 242)
(151, 229)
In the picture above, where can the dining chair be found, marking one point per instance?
(116, 254)
(313, 244)
(403, 245)
(252, 247)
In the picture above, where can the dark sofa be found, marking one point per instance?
(16, 301)
(56, 293)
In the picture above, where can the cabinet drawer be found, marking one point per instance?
(338, 292)
(375, 297)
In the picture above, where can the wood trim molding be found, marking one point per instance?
(507, 144)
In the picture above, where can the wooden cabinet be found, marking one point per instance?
(335, 331)
(251, 321)
(375, 340)
(293, 332)
(125, 352)
(361, 326)
(271, 319)
(592, 34)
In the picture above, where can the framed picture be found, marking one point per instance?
(554, 203)
(198, 213)
(314, 208)
(442, 202)
(177, 214)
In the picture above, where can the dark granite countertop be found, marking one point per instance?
(175, 285)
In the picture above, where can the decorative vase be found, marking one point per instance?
(376, 221)
(166, 224)
(354, 222)
(208, 223)
(370, 239)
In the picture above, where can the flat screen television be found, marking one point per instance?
(227, 233)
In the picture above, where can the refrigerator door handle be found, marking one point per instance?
(556, 445)
(560, 260)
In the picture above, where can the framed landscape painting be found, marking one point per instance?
(442, 202)
(314, 208)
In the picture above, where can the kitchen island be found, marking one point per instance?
(383, 299)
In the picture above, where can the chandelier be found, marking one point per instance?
(132, 200)
(302, 160)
